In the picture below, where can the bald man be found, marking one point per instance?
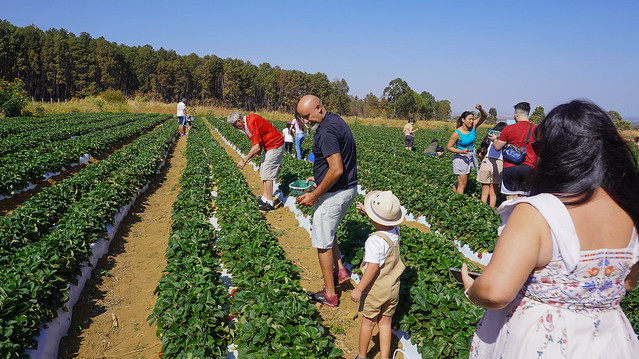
(335, 177)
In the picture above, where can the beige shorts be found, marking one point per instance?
(490, 171)
(372, 307)
(271, 164)
(330, 209)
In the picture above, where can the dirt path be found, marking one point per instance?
(342, 322)
(124, 280)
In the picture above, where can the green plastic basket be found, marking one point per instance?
(299, 187)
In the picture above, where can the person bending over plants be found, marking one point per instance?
(378, 290)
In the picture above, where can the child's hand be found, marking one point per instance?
(356, 295)
(360, 207)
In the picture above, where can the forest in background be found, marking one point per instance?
(56, 64)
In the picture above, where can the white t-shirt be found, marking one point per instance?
(376, 249)
(493, 153)
(180, 108)
(287, 135)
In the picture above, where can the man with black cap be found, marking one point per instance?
(519, 134)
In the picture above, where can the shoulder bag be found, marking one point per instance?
(516, 154)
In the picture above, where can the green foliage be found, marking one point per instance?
(113, 96)
(192, 307)
(13, 98)
(614, 116)
(441, 322)
(538, 115)
(56, 146)
(492, 115)
(39, 263)
(275, 315)
(623, 125)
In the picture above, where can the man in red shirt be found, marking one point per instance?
(514, 176)
(263, 136)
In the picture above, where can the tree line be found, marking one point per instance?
(57, 64)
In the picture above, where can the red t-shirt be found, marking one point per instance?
(516, 134)
(258, 130)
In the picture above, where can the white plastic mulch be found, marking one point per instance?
(50, 333)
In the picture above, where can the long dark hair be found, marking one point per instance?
(485, 143)
(580, 150)
(463, 116)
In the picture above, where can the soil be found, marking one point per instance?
(342, 322)
(123, 282)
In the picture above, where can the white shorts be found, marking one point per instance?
(330, 209)
(271, 164)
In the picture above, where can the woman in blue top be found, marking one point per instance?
(461, 144)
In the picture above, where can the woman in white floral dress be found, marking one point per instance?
(566, 255)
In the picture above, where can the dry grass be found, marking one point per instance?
(96, 104)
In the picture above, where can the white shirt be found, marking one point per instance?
(287, 135)
(180, 108)
(376, 249)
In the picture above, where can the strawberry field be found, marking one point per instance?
(228, 284)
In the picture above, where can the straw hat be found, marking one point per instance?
(383, 208)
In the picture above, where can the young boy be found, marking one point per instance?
(378, 290)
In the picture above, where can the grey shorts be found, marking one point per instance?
(181, 120)
(271, 163)
(408, 141)
(330, 209)
(463, 163)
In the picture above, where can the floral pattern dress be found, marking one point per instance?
(567, 309)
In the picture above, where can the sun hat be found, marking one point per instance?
(383, 208)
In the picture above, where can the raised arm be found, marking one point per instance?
(484, 115)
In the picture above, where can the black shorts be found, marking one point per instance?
(408, 141)
(514, 180)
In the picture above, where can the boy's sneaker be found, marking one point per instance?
(343, 276)
(323, 298)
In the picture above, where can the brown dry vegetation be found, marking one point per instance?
(96, 104)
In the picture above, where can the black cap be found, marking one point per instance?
(524, 106)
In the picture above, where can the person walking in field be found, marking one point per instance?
(287, 132)
(181, 116)
(515, 175)
(299, 126)
(378, 290)
(335, 177)
(461, 143)
(409, 134)
(263, 136)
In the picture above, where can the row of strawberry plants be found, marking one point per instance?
(432, 307)
(61, 131)
(35, 280)
(276, 317)
(19, 169)
(421, 182)
(192, 306)
(13, 125)
(440, 322)
(38, 215)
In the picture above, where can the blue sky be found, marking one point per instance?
(492, 52)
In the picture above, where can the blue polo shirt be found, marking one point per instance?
(334, 136)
